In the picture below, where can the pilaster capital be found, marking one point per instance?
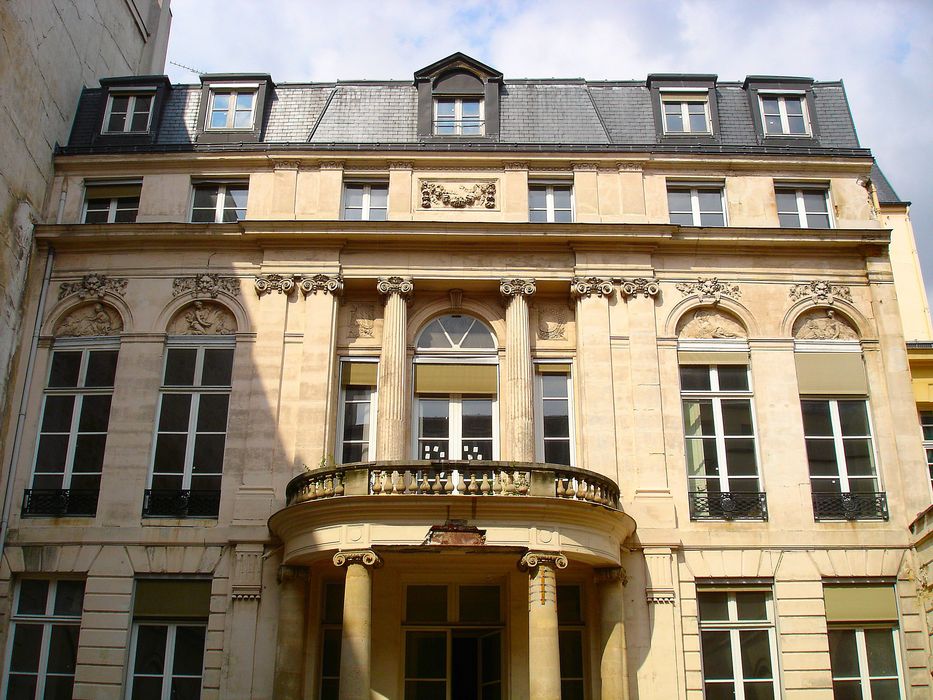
(288, 574)
(403, 286)
(327, 284)
(585, 167)
(516, 165)
(517, 287)
(363, 557)
(533, 560)
(649, 287)
(588, 286)
(401, 165)
(286, 164)
(331, 165)
(283, 284)
(610, 574)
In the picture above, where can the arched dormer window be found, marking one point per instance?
(458, 97)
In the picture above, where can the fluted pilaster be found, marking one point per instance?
(519, 372)
(392, 424)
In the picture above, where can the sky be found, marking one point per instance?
(882, 50)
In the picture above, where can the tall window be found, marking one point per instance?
(231, 108)
(571, 640)
(550, 204)
(356, 421)
(785, 115)
(458, 116)
(128, 113)
(111, 203)
(554, 413)
(191, 432)
(43, 640)
(926, 422)
(685, 113)
(719, 424)
(73, 432)
(365, 202)
(739, 652)
(219, 203)
(696, 206)
(803, 207)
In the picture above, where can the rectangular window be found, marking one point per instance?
(221, 203)
(111, 203)
(784, 115)
(554, 413)
(737, 642)
(926, 422)
(550, 204)
(458, 116)
(72, 432)
(191, 433)
(128, 113)
(803, 207)
(43, 641)
(571, 642)
(685, 113)
(365, 202)
(696, 205)
(356, 420)
(456, 427)
(722, 456)
(231, 108)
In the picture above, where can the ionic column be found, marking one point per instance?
(391, 427)
(613, 670)
(543, 641)
(519, 372)
(290, 637)
(356, 641)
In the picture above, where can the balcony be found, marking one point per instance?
(60, 502)
(728, 505)
(850, 506)
(180, 503)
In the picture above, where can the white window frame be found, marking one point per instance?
(864, 676)
(734, 626)
(113, 208)
(131, 110)
(539, 412)
(234, 90)
(455, 423)
(839, 442)
(167, 675)
(373, 407)
(550, 209)
(802, 213)
(365, 209)
(694, 189)
(684, 99)
(781, 97)
(926, 420)
(457, 121)
(219, 208)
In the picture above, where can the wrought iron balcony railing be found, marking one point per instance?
(451, 478)
(728, 505)
(181, 503)
(850, 506)
(60, 502)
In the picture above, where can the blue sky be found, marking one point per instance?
(882, 50)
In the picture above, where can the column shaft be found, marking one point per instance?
(392, 421)
(290, 636)
(543, 640)
(519, 371)
(613, 670)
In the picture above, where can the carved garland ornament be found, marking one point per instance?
(206, 285)
(458, 196)
(93, 285)
(588, 286)
(646, 286)
(517, 287)
(366, 557)
(821, 291)
(403, 286)
(710, 289)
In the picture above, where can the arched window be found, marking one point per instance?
(456, 390)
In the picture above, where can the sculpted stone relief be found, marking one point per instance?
(823, 324)
(203, 318)
(552, 323)
(458, 195)
(90, 319)
(206, 285)
(360, 320)
(93, 285)
(710, 323)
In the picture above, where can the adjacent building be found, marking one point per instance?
(468, 387)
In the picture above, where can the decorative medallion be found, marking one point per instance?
(203, 318)
(710, 289)
(709, 323)
(93, 285)
(206, 285)
(823, 324)
(90, 319)
(588, 286)
(821, 292)
(552, 323)
(327, 284)
(458, 195)
(403, 286)
(360, 321)
(283, 284)
(517, 287)
(646, 286)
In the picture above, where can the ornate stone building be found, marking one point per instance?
(467, 387)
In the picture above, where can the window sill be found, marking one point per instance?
(168, 521)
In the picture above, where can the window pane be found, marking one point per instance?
(793, 106)
(174, 414)
(27, 644)
(208, 454)
(816, 418)
(673, 118)
(58, 688)
(170, 454)
(426, 604)
(433, 418)
(186, 689)
(694, 378)
(751, 605)
(786, 201)
(212, 413)
(356, 421)
(698, 122)
(470, 108)
(879, 643)
(426, 655)
(556, 419)
(853, 417)
(52, 452)
(479, 604)
(740, 457)
(218, 367)
(563, 216)
(353, 196)
(818, 221)
(562, 198)
(717, 655)
(759, 691)
(147, 689)
(63, 648)
(885, 689)
(737, 416)
(537, 197)
(814, 201)
(89, 453)
(244, 100)
(554, 385)
(65, 367)
(189, 651)
(378, 196)
(33, 594)
(710, 200)
(712, 219)
(789, 220)
(179, 367)
(571, 653)
(150, 649)
(702, 458)
(56, 418)
(843, 653)
(698, 417)
(569, 605)
(69, 598)
(205, 197)
(557, 452)
(679, 201)
(445, 108)
(95, 413)
(713, 606)
(821, 455)
(236, 197)
(858, 457)
(101, 368)
(733, 377)
(796, 125)
(477, 418)
(756, 653)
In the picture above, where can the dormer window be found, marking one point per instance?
(232, 108)
(128, 112)
(684, 108)
(458, 98)
(784, 115)
(130, 109)
(685, 113)
(783, 108)
(458, 116)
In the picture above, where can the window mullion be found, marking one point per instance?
(550, 204)
(43, 669)
(862, 653)
(219, 204)
(169, 660)
(801, 210)
(455, 429)
(695, 205)
(738, 674)
(365, 202)
(685, 116)
(839, 445)
(189, 443)
(72, 440)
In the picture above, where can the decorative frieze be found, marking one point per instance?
(552, 322)
(823, 324)
(585, 167)
(365, 557)
(709, 289)
(360, 321)
(331, 165)
(403, 286)
(821, 292)
(516, 165)
(286, 164)
(588, 286)
(532, 560)
(458, 195)
(326, 284)
(206, 285)
(283, 284)
(90, 320)
(203, 318)
(648, 287)
(401, 165)
(517, 287)
(93, 285)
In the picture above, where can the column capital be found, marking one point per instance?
(283, 284)
(517, 287)
(587, 286)
(610, 574)
(288, 573)
(648, 287)
(403, 286)
(364, 557)
(327, 284)
(532, 560)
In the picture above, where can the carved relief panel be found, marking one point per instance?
(455, 194)
(552, 325)
(708, 323)
(89, 320)
(203, 318)
(360, 323)
(823, 324)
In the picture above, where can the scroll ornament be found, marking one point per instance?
(587, 286)
(366, 557)
(283, 284)
(327, 284)
(517, 287)
(648, 287)
(532, 560)
(404, 286)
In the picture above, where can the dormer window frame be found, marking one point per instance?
(685, 97)
(157, 87)
(458, 77)
(236, 84)
(760, 87)
(668, 88)
(783, 113)
(235, 90)
(458, 119)
(133, 94)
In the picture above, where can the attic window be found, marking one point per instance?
(128, 112)
(458, 98)
(458, 116)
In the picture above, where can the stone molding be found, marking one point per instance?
(649, 287)
(585, 167)
(458, 195)
(588, 286)
(610, 574)
(517, 287)
(821, 292)
(709, 289)
(206, 285)
(401, 165)
(363, 557)
(287, 573)
(331, 165)
(327, 284)
(283, 284)
(403, 286)
(93, 285)
(533, 559)
(516, 165)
